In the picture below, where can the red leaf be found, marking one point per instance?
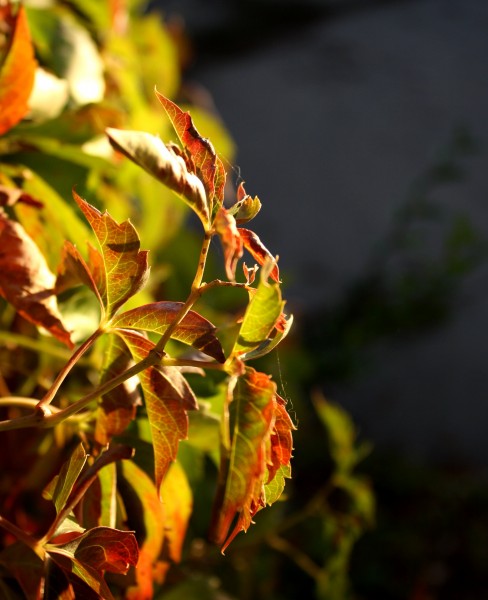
(225, 226)
(201, 151)
(11, 195)
(258, 251)
(244, 470)
(17, 72)
(73, 270)
(194, 329)
(117, 408)
(246, 208)
(281, 438)
(165, 405)
(26, 281)
(124, 268)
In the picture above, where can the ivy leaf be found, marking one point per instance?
(281, 441)
(125, 269)
(165, 163)
(243, 469)
(92, 554)
(117, 408)
(26, 281)
(207, 165)
(17, 71)
(73, 270)
(262, 313)
(145, 513)
(193, 330)
(166, 399)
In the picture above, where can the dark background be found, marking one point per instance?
(362, 127)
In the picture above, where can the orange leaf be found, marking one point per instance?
(258, 251)
(17, 72)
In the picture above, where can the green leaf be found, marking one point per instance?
(68, 476)
(244, 469)
(165, 164)
(117, 408)
(275, 487)
(193, 330)
(246, 208)
(124, 266)
(262, 314)
(270, 343)
(167, 396)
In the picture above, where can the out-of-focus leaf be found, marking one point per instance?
(177, 499)
(78, 61)
(99, 502)
(243, 471)
(49, 96)
(17, 71)
(225, 226)
(207, 164)
(341, 435)
(26, 281)
(125, 265)
(193, 330)
(165, 164)
(23, 564)
(67, 477)
(146, 511)
(258, 251)
(117, 408)
(97, 13)
(164, 404)
(262, 313)
(10, 195)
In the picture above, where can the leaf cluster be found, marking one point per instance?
(97, 361)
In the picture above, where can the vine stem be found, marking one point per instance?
(18, 533)
(45, 416)
(74, 358)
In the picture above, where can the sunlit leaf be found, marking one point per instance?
(125, 265)
(165, 406)
(145, 512)
(243, 471)
(258, 251)
(207, 164)
(26, 281)
(262, 313)
(117, 408)
(270, 343)
(193, 330)
(99, 502)
(165, 164)
(67, 477)
(246, 207)
(274, 489)
(226, 228)
(177, 499)
(73, 270)
(16, 72)
(281, 440)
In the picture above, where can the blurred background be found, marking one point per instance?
(361, 125)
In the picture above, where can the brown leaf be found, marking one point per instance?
(17, 72)
(26, 281)
(225, 226)
(258, 251)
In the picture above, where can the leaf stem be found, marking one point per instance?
(17, 532)
(51, 393)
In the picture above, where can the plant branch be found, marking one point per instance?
(17, 532)
(296, 555)
(75, 357)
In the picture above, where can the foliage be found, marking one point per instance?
(101, 374)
